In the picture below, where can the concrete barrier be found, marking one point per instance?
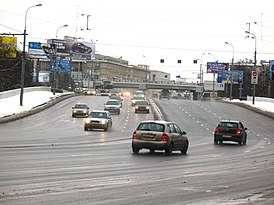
(156, 111)
(11, 93)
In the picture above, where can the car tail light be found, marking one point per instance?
(134, 135)
(217, 129)
(238, 131)
(165, 137)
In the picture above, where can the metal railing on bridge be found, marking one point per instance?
(172, 85)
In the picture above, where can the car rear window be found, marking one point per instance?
(228, 125)
(151, 127)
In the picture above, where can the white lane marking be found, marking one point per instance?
(80, 155)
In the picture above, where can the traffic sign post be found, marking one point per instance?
(254, 77)
(254, 81)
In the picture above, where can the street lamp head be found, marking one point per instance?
(226, 42)
(247, 32)
(38, 5)
(66, 25)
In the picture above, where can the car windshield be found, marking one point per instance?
(112, 103)
(80, 106)
(228, 125)
(98, 115)
(115, 97)
(141, 102)
(137, 98)
(151, 127)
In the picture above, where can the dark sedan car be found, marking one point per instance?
(159, 135)
(141, 106)
(230, 130)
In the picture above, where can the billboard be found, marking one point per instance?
(225, 77)
(215, 67)
(36, 49)
(8, 47)
(60, 65)
(271, 70)
(70, 46)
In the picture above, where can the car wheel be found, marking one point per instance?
(215, 141)
(119, 112)
(152, 150)
(184, 150)
(135, 150)
(147, 112)
(169, 150)
(106, 129)
(244, 142)
(241, 142)
(85, 128)
(73, 115)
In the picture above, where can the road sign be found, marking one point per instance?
(254, 77)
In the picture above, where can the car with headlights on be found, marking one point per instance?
(134, 99)
(116, 97)
(98, 119)
(159, 135)
(80, 110)
(113, 106)
(230, 130)
(142, 106)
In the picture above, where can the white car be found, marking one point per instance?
(113, 106)
(98, 119)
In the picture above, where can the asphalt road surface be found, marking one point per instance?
(48, 158)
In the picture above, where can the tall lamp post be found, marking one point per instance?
(24, 57)
(231, 70)
(66, 25)
(213, 81)
(201, 72)
(146, 68)
(255, 61)
(87, 22)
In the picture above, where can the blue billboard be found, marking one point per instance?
(215, 67)
(225, 77)
(271, 70)
(60, 66)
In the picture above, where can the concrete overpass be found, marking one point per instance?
(158, 85)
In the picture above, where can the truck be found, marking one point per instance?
(165, 93)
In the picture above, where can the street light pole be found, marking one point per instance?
(146, 68)
(201, 72)
(24, 57)
(255, 61)
(66, 25)
(231, 70)
(87, 22)
(213, 81)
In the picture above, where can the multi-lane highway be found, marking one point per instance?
(48, 158)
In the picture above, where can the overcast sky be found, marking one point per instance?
(146, 31)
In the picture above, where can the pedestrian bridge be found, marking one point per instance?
(158, 85)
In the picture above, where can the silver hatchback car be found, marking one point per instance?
(159, 135)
